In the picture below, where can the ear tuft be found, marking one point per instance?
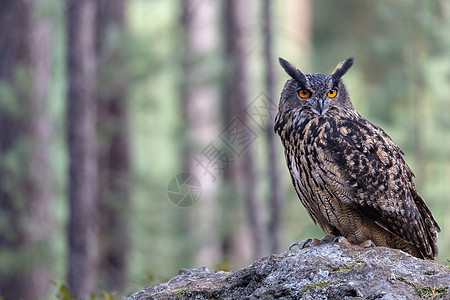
(341, 69)
(293, 72)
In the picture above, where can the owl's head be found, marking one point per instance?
(315, 95)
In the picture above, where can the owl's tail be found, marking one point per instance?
(431, 227)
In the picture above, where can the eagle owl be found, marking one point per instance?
(347, 172)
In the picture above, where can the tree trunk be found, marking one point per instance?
(300, 29)
(275, 200)
(418, 87)
(242, 179)
(81, 121)
(199, 96)
(114, 149)
(25, 189)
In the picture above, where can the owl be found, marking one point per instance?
(347, 172)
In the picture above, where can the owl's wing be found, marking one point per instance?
(368, 168)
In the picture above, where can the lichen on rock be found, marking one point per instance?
(322, 272)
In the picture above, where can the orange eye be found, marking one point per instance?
(332, 93)
(304, 93)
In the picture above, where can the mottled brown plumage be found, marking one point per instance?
(347, 172)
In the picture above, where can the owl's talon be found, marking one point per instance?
(335, 240)
(367, 244)
(328, 239)
(294, 244)
(306, 243)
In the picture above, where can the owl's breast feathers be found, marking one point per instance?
(355, 163)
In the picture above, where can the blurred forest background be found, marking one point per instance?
(104, 102)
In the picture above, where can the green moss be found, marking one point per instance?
(64, 293)
(430, 292)
(447, 264)
(181, 293)
(344, 268)
(440, 290)
(425, 292)
(320, 285)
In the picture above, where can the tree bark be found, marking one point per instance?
(235, 99)
(81, 121)
(275, 200)
(114, 150)
(199, 96)
(418, 87)
(25, 189)
(299, 29)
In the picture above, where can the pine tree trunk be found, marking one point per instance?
(25, 189)
(114, 150)
(418, 95)
(275, 200)
(242, 179)
(299, 39)
(81, 121)
(199, 99)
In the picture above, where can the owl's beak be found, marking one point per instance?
(320, 105)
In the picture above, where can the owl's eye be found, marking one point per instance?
(332, 93)
(304, 93)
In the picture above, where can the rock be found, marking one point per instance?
(321, 272)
